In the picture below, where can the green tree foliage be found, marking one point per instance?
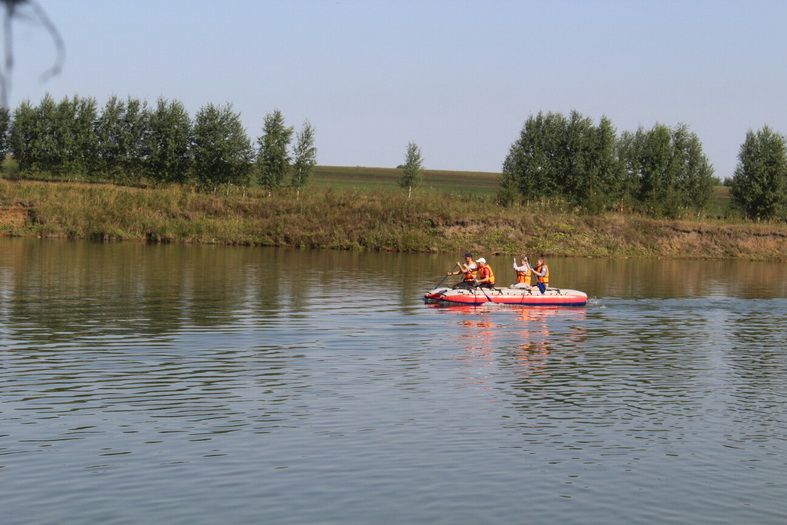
(656, 175)
(507, 194)
(608, 187)
(126, 141)
(123, 129)
(20, 139)
(661, 171)
(45, 152)
(169, 143)
(304, 156)
(695, 179)
(665, 170)
(85, 158)
(109, 132)
(412, 170)
(75, 140)
(536, 161)
(55, 137)
(273, 159)
(5, 130)
(759, 186)
(222, 151)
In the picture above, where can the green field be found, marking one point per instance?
(481, 183)
(719, 205)
(360, 178)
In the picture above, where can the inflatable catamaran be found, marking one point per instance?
(525, 296)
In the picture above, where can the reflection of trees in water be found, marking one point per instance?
(672, 277)
(217, 285)
(72, 289)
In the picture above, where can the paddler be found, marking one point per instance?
(486, 277)
(468, 270)
(523, 273)
(542, 275)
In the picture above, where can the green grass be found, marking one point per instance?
(360, 219)
(447, 181)
(719, 205)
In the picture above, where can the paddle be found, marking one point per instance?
(441, 281)
(483, 292)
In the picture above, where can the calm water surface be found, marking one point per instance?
(172, 384)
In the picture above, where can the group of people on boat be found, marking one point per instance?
(478, 273)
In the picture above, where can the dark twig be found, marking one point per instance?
(39, 15)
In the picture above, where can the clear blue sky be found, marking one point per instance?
(457, 77)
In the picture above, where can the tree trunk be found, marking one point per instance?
(409, 192)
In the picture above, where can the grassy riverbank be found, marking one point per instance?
(347, 218)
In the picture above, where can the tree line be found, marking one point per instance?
(127, 140)
(660, 171)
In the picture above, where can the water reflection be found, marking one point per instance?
(193, 376)
(73, 289)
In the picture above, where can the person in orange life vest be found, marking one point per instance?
(468, 271)
(523, 273)
(542, 275)
(486, 277)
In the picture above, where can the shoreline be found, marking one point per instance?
(363, 219)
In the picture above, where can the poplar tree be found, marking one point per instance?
(656, 169)
(694, 181)
(759, 186)
(412, 171)
(5, 130)
(122, 129)
(605, 191)
(580, 178)
(44, 150)
(630, 153)
(536, 162)
(85, 140)
(169, 152)
(108, 131)
(135, 131)
(305, 157)
(273, 160)
(20, 138)
(507, 194)
(221, 148)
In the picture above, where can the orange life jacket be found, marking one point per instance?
(523, 277)
(545, 278)
(486, 271)
(470, 276)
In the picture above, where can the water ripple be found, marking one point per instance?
(237, 386)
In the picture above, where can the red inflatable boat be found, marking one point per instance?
(525, 296)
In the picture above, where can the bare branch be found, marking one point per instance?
(40, 16)
(60, 46)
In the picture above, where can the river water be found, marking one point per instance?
(200, 384)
